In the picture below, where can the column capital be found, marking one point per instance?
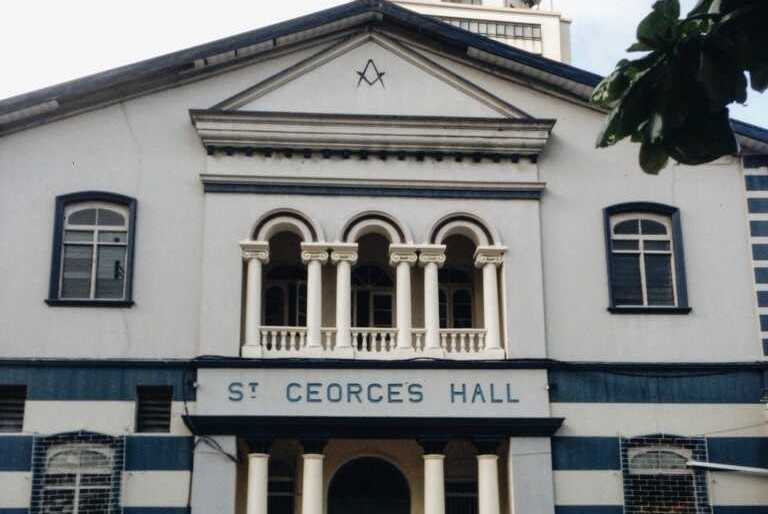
(433, 446)
(314, 252)
(432, 254)
(403, 253)
(314, 446)
(344, 252)
(255, 250)
(487, 447)
(489, 255)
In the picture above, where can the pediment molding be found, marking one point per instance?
(432, 135)
(341, 48)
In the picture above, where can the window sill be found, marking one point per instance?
(650, 310)
(115, 304)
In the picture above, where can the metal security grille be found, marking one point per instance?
(12, 402)
(657, 479)
(153, 412)
(77, 473)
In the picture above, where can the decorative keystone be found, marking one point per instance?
(489, 255)
(255, 250)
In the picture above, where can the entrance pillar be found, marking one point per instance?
(489, 258)
(488, 484)
(258, 479)
(434, 483)
(312, 480)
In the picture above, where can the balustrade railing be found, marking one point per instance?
(369, 342)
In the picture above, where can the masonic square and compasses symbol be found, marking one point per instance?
(370, 75)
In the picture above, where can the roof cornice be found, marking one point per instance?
(497, 137)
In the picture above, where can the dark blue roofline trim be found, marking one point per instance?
(101, 85)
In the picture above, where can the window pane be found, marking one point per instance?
(653, 227)
(363, 308)
(58, 501)
(462, 309)
(274, 307)
(301, 305)
(443, 310)
(627, 227)
(382, 311)
(657, 246)
(658, 276)
(113, 237)
(625, 244)
(108, 217)
(94, 501)
(83, 217)
(625, 280)
(78, 236)
(110, 273)
(76, 282)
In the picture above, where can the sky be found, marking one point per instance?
(52, 41)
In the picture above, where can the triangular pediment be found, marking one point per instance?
(371, 74)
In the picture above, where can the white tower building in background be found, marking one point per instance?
(530, 25)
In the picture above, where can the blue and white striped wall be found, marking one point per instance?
(601, 407)
(158, 467)
(756, 182)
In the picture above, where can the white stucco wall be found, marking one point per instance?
(187, 284)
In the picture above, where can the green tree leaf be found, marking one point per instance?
(653, 157)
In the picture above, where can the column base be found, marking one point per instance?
(341, 353)
(433, 353)
(252, 351)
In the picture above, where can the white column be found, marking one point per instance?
(489, 258)
(258, 476)
(312, 484)
(434, 484)
(314, 255)
(431, 258)
(255, 253)
(403, 257)
(488, 484)
(344, 256)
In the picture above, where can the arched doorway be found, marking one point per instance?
(371, 486)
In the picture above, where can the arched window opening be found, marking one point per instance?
(658, 461)
(369, 485)
(92, 248)
(457, 284)
(285, 283)
(372, 284)
(645, 258)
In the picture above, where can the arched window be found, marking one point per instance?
(93, 250)
(77, 473)
(645, 259)
(285, 297)
(372, 291)
(456, 305)
(658, 461)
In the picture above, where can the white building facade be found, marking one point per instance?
(368, 260)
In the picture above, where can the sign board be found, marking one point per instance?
(373, 392)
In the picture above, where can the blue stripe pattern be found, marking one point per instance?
(94, 383)
(761, 275)
(758, 205)
(760, 252)
(585, 386)
(13, 511)
(143, 453)
(589, 509)
(758, 228)
(739, 451)
(757, 182)
(154, 510)
(15, 453)
(585, 453)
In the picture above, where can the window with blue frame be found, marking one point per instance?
(644, 248)
(93, 241)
